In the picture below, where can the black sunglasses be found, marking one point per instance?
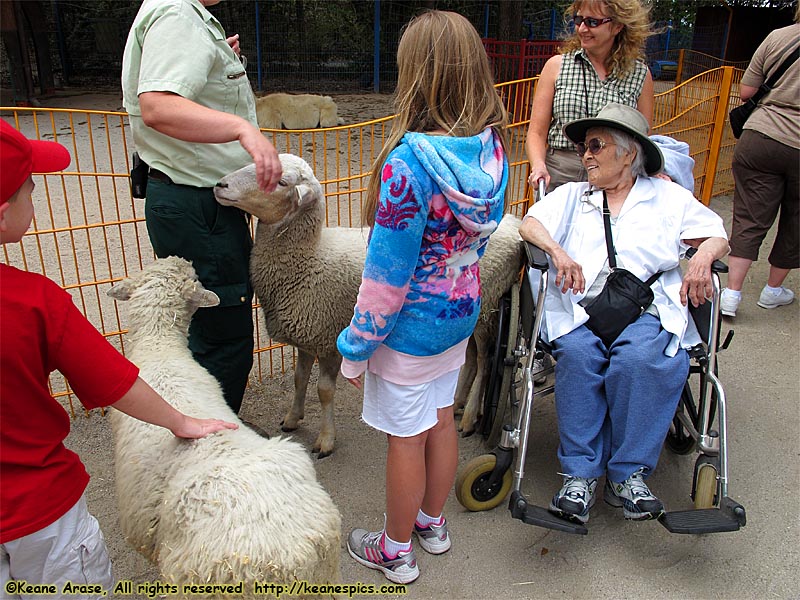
(594, 145)
(590, 22)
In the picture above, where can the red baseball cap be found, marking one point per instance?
(19, 157)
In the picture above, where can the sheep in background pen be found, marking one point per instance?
(296, 111)
(306, 276)
(227, 508)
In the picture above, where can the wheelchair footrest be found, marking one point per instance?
(730, 516)
(541, 517)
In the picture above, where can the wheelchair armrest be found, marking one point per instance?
(717, 266)
(536, 257)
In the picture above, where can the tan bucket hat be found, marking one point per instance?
(624, 118)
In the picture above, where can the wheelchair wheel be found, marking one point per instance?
(504, 411)
(472, 491)
(706, 482)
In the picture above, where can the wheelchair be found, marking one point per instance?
(699, 425)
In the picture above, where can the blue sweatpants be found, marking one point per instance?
(615, 404)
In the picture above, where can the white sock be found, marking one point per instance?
(423, 520)
(773, 290)
(735, 293)
(392, 548)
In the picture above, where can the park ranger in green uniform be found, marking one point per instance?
(192, 114)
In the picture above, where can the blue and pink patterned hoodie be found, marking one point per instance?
(440, 199)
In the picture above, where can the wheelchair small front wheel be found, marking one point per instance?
(473, 490)
(706, 482)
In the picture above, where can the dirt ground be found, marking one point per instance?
(495, 556)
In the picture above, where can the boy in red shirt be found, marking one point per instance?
(47, 536)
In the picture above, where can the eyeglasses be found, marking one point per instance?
(594, 145)
(590, 22)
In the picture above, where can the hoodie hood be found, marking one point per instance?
(471, 173)
(677, 162)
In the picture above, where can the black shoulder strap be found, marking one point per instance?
(612, 253)
(767, 86)
(612, 261)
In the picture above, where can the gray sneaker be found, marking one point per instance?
(637, 501)
(434, 539)
(770, 300)
(574, 499)
(366, 547)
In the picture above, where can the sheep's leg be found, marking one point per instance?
(326, 388)
(472, 410)
(302, 372)
(466, 376)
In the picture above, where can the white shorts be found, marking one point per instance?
(72, 549)
(406, 410)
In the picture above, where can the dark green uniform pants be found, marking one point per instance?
(187, 221)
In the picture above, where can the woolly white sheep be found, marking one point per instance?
(306, 276)
(296, 111)
(233, 506)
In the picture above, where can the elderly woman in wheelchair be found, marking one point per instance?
(616, 392)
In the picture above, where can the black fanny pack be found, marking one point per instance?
(624, 297)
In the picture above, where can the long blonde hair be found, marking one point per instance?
(444, 83)
(629, 44)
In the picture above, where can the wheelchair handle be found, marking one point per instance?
(536, 257)
(716, 267)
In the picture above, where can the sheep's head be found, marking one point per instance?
(298, 190)
(168, 283)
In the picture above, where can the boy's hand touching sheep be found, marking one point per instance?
(143, 403)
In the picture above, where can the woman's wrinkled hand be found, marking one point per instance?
(697, 286)
(569, 274)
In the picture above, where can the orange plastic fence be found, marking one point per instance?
(89, 233)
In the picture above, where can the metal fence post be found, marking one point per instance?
(720, 118)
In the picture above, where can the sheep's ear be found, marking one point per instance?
(203, 298)
(305, 194)
(122, 290)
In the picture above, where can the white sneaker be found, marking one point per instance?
(728, 303)
(770, 300)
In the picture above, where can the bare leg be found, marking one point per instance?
(441, 462)
(777, 276)
(405, 484)
(737, 271)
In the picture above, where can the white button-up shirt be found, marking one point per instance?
(655, 217)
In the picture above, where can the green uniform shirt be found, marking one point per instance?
(178, 46)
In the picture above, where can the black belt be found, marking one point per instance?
(160, 176)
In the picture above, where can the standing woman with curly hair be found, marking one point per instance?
(601, 62)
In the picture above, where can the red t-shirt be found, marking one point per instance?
(41, 330)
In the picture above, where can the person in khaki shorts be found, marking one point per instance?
(600, 63)
(192, 115)
(765, 171)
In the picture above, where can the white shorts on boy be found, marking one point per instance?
(72, 549)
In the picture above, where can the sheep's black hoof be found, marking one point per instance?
(287, 429)
(324, 454)
(466, 434)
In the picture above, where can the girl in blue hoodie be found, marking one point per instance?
(435, 195)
